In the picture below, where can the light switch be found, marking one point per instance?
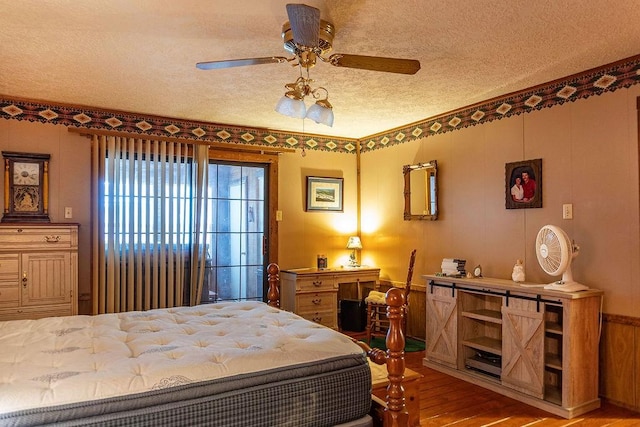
(567, 211)
(68, 212)
(278, 215)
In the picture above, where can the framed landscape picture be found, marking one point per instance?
(324, 194)
(523, 184)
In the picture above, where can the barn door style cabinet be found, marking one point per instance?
(534, 345)
(38, 271)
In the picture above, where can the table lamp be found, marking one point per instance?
(353, 244)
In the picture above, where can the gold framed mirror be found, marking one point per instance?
(421, 191)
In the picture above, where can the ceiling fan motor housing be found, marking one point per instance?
(325, 40)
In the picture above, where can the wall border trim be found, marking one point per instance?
(608, 78)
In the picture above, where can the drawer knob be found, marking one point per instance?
(316, 301)
(317, 319)
(317, 283)
(52, 239)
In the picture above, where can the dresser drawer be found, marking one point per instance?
(9, 266)
(316, 301)
(34, 313)
(325, 318)
(315, 283)
(9, 295)
(37, 237)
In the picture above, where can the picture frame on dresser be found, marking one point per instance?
(26, 187)
(324, 194)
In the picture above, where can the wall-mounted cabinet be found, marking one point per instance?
(535, 345)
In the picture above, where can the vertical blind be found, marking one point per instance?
(148, 216)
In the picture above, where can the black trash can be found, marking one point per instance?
(353, 315)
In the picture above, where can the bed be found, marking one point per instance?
(227, 364)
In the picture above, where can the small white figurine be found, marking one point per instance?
(518, 272)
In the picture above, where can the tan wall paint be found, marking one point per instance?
(590, 158)
(303, 235)
(69, 182)
(589, 150)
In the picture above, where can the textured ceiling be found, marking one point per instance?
(139, 56)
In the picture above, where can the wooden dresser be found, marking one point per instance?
(313, 293)
(532, 344)
(38, 270)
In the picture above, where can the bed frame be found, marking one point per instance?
(392, 411)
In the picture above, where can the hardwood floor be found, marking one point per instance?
(448, 401)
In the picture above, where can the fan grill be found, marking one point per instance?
(552, 250)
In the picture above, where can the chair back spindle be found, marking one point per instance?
(377, 321)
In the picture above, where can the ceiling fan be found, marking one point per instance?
(308, 38)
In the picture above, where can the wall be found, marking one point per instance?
(303, 235)
(589, 152)
(69, 182)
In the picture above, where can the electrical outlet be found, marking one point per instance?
(567, 211)
(278, 215)
(68, 212)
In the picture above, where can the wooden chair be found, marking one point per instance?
(377, 321)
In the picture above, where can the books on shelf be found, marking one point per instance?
(453, 267)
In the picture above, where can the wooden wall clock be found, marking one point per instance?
(26, 187)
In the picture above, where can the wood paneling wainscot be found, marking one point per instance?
(620, 360)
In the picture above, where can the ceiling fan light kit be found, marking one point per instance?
(291, 107)
(292, 103)
(308, 38)
(321, 112)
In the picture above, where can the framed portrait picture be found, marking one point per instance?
(324, 194)
(523, 184)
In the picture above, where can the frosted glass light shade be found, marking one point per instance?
(291, 107)
(320, 114)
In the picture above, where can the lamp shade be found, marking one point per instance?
(291, 107)
(320, 114)
(354, 243)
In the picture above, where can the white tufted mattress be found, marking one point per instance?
(62, 360)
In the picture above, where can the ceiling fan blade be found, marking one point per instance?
(375, 63)
(305, 24)
(214, 65)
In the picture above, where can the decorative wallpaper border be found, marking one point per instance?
(111, 120)
(608, 78)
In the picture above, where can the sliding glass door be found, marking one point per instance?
(236, 232)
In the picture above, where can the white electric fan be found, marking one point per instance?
(555, 251)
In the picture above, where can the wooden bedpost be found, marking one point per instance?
(273, 294)
(396, 413)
